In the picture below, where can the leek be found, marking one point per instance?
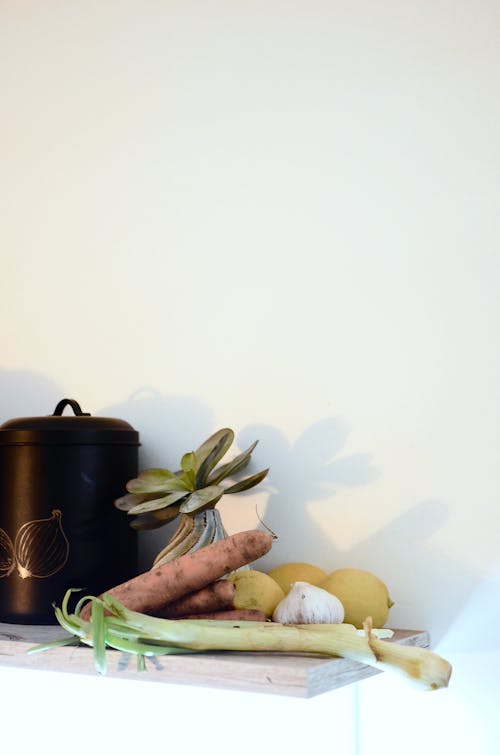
(115, 626)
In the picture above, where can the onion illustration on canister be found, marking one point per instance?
(7, 555)
(41, 547)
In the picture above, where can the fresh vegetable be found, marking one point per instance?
(152, 590)
(249, 614)
(115, 626)
(308, 604)
(217, 596)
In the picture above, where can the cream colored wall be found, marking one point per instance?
(281, 217)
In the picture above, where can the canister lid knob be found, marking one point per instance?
(63, 403)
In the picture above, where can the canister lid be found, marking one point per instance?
(79, 428)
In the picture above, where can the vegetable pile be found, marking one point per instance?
(121, 619)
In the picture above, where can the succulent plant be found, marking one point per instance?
(158, 496)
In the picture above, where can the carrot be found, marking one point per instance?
(152, 590)
(242, 614)
(215, 597)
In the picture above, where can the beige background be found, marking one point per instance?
(280, 217)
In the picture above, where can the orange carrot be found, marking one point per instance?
(242, 614)
(152, 590)
(217, 596)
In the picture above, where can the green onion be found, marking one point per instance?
(99, 636)
(115, 626)
(54, 644)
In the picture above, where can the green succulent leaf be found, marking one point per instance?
(232, 467)
(158, 503)
(188, 466)
(152, 520)
(188, 462)
(247, 483)
(210, 462)
(202, 498)
(157, 495)
(156, 481)
(128, 501)
(215, 446)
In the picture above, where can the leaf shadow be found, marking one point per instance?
(311, 468)
(26, 393)
(428, 586)
(167, 426)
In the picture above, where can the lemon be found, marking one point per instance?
(297, 571)
(255, 589)
(361, 593)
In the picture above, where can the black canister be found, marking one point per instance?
(59, 528)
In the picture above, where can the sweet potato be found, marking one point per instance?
(152, 590)
(243, 614)
(217, 596)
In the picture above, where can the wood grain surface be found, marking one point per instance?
(296, 675)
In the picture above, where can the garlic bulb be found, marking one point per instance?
(308, 604)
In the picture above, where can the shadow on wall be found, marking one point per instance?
(311, 469)
(168, 426)
(26, 393)
(429, 588)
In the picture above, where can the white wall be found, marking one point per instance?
(281, 217)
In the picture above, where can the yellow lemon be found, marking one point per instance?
(255, 589)
(296, 571)
(361, 593)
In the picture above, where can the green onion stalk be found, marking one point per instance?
(114, 626)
